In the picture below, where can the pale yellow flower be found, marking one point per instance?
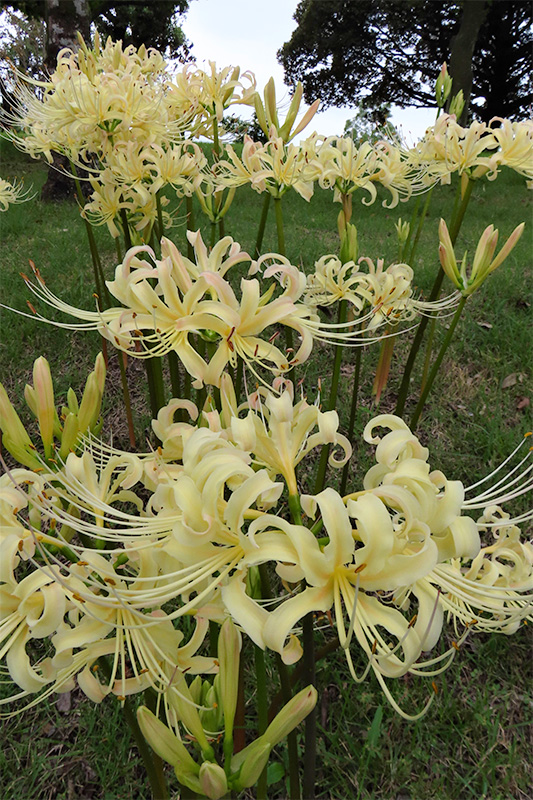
(11, 193)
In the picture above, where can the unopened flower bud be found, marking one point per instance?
(69, 435)
(164, 742)
(457, 104)
(349, 246)
(443, 86)
(402, 230)
(291, 715)
(44, 401)
(229, 651)
(213, 780)
(14, 436)
(257, 755)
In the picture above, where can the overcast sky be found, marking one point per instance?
(247, 33)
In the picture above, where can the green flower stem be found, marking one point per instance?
(279, 226)
(444, 346)
(412, 221)
(190, 225)
(332, 400)
(156, 780)
(239, 725)
(429, 347)
(221, 228)
(161, 227)
(118, 249)
(150, 700)
(95, 256)
(213, 234)
(174, 368)
(435, 292)
(155, 775)
(238, 378)
(286, 694)
(126, 397)
(125, 228)
(420, 226)
(154, 374)
(262, 712)
(214, 629)
(353, 411)
(298, 672)
(309, 676)
(309, 660)
(262, 225)
(105, 301)
(289, 341)
(216, 138)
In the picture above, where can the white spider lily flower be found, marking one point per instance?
(12, 193)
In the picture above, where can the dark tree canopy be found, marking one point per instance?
(379, 51)
(155, 24)
(151, 24)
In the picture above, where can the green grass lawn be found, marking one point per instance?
(476, 739)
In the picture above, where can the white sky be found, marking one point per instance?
(247, 33)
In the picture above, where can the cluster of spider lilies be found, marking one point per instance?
(143, 571)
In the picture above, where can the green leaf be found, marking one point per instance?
(275, 773)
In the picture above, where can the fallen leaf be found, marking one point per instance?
(63, 702)
(522, 402)
(510, 380)
(485, 325)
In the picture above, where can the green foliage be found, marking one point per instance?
(391, 50)
(152, 24)
(370, 124)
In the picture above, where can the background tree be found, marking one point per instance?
(370, 124)
(383, 51)
(153, 24)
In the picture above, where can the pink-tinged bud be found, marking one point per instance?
(213, 780)
(443, 86)
(306, 119)
(44, 400)
(508, 246)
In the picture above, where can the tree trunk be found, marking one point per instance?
(63, 19)
(462, 49)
